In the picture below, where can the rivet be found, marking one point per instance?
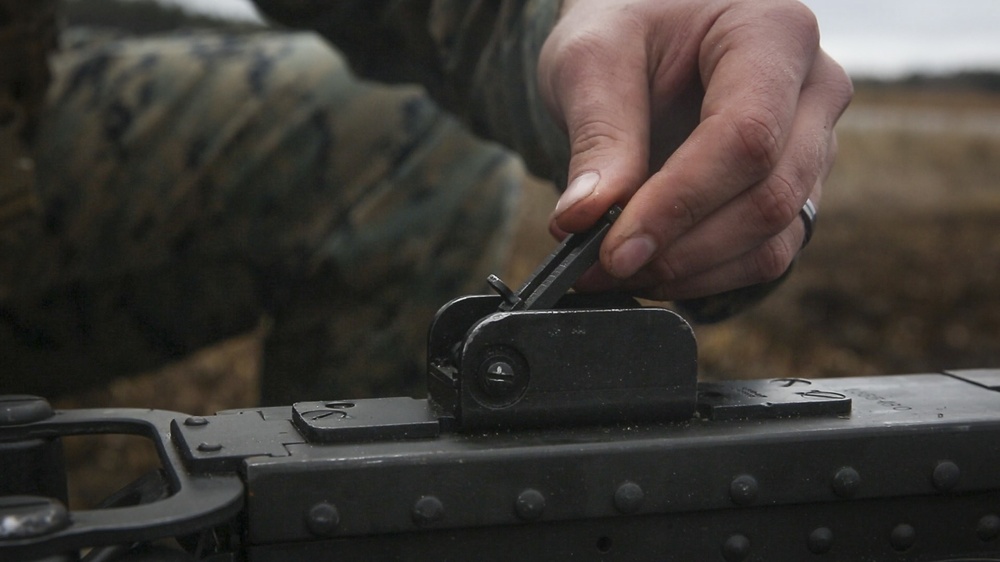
(323, 519)
(428, 509)
(529, 505)
(195, 421)
(820, 540)
(743, 490)
(846, 482)
(210, 447)
(946, 475)
(628, 497)
(988, 528)
(736, 548)
(903, 537)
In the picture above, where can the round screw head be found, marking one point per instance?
(195, 421)
(498, 379)
(501, 378)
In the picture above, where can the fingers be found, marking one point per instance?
(598, 87)
(772, 205)
(762, 264)
(720, 208)
(762, 144)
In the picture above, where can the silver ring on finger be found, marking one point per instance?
(808, 214)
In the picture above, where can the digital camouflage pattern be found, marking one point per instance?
(186, 185)
(27, 36)
(191, 183)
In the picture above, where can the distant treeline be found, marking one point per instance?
(986, 81)
(142, 17)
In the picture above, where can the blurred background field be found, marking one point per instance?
(902, 275)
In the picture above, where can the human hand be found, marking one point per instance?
(711, 122)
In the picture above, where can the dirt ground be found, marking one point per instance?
(902, 275)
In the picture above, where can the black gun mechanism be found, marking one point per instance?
(565, 424)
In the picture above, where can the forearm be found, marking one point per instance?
(478, 59)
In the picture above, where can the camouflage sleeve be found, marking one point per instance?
(27, 35)
(477, 58)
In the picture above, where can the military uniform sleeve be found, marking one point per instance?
(27, 36)
(477, 58)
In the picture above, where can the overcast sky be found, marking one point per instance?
(868, 37)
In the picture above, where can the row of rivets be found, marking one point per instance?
(323, 518)
(903, 536)
(846, 483)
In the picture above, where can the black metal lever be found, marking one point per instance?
(559, 271)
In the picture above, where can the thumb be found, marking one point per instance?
(605, 109)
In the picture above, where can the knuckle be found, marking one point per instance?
(595, 134)
(686, 209)
(771, 260)
(842, 87)
(803, 21)
(775, 202)
(572, 59)
(669, 270)
(757, 132)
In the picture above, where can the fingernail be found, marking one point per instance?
(631, 255)
(580, 188)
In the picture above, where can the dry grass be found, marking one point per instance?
(902, 276)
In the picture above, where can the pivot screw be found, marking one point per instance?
(501, 379)
(498, 379)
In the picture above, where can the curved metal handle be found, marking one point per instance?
(196, 501)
